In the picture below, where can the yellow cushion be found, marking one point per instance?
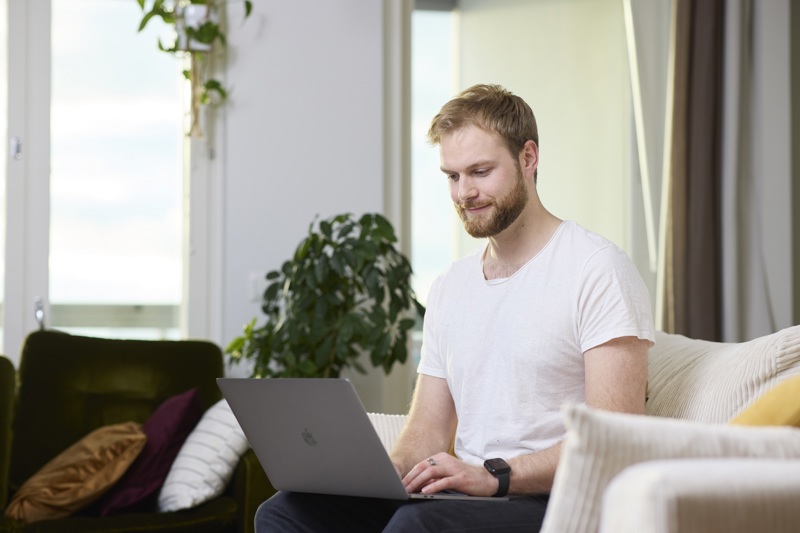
(779, 406)
(78, 475)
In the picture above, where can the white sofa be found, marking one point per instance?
(682, 468)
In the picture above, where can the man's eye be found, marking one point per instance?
(452, 177)
(481, 172)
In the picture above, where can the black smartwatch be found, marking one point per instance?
(502, 471)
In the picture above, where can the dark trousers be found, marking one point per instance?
(299, 512)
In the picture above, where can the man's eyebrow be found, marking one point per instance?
(473, 166)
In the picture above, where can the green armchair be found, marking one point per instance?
(71, 385)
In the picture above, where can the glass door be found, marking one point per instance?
(116, 182)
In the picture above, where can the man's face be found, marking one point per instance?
(486, 182)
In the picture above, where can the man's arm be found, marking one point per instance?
(616, 380)
(430, 426)
(616, 375)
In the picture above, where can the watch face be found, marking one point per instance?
(497, 466)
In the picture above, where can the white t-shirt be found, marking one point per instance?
(512, 349)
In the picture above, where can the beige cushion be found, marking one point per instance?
(600, 444)
(388, 427)
(79, 475)
(713, 382)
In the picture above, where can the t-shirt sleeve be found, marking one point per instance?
(613, 300)
(431, 360)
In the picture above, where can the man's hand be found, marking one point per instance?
(443, 471)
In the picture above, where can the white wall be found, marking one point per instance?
(303, 133)
(532, 48)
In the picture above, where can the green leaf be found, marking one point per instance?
(345, 229)
(235, 346)
(373, 283)
(302, 250)
(322, 355)
(205, 33)
(338, 264)
(407, 324)
(307, 368)
(384, 228)
(146, 19)
(325, 228)
(321, 269)
(321, 308)
(271, 292)
(381, 349)
(346, 331)
(273, 275)
(210, 88)
(366, 220)
(248, 8)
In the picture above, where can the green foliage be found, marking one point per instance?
(209, 32)
(346, 291)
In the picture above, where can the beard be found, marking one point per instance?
(506, 210)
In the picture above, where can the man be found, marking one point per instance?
(545, 313)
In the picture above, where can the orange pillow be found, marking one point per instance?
(79, 475)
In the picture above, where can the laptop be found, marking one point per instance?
(313, 435)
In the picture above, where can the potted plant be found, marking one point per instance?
(198, 32)
(345, 292)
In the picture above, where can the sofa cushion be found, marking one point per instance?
(704, 495)
(712, 381)
(600, 444)
(779, 406)
(79, 475)
(166, 430)
(206, 461)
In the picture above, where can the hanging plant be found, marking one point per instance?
(198, 32)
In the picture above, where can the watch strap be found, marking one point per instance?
(503, 479)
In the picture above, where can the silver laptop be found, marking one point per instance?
(313, 435)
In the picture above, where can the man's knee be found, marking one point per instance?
(416, 517)
(276, 514)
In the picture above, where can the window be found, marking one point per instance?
(434, 224)
(433, 220)
(4, 141)
(116, 183)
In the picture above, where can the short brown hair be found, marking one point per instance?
(492, 108)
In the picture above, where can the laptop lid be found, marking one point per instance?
(313, 435)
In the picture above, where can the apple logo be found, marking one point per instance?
(308, 437)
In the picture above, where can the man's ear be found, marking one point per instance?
(530, 158)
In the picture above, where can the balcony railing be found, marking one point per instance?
(116, 320)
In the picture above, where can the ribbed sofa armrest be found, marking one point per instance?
(7, 394)
(738, 495)
(249, 487)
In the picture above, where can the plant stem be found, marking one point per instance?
(197, 90)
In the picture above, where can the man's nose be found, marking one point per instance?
(466, 189)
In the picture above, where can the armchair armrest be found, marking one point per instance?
(699, 495)
(249, 487)
(7, 392)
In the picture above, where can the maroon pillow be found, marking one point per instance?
(166, 430)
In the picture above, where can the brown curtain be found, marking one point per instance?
(693, 240)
